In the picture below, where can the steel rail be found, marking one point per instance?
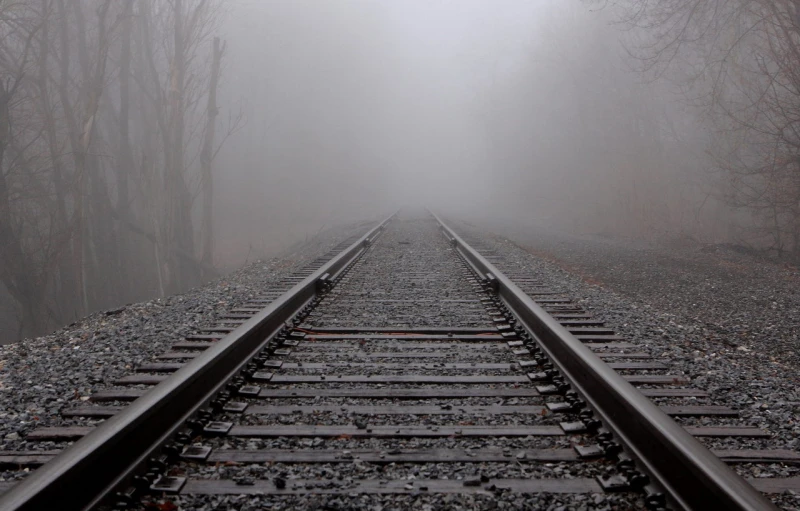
(692, 477)
(83, 475)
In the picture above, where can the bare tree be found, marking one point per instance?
(173, 83)
(96, 187)
(24, 276)
(207, 155)
(740, 61)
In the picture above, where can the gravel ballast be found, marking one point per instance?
(41, 377)
(408, 280)
(728, 320)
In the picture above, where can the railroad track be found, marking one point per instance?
(404, 370)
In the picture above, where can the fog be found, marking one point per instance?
(353, 109)
(508, 108)
(134, 166)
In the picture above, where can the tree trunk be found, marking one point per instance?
(207, 156)
(16, 270)
(78, 226)
(183, 269)
(65, 285)
(81, 135)
(125, 155)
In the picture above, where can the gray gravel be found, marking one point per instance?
(722, 345)
(421, 502)
(400, 283)
(40, 377)
(729, 320)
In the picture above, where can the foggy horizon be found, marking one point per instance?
(359, 108)
(294, 117)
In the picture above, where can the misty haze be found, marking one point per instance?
(256, 208)
(329, 112)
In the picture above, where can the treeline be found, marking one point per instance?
(591, 147)
(690, 130)
(108, 112)
(738, 63)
